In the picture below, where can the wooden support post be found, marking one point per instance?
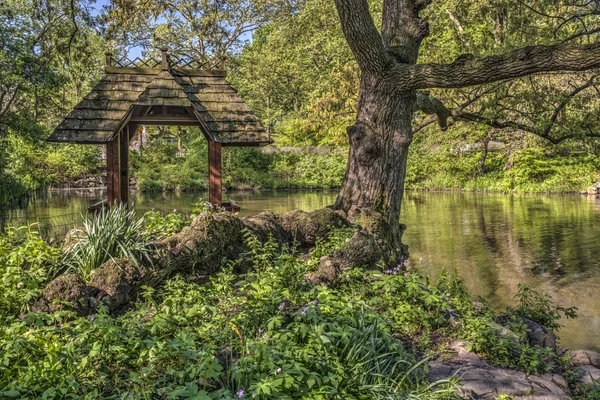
(215, 192)
(112, 170)
(124, 165)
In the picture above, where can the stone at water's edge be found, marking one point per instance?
(480, 380)
(593, 190)
(539, 335)
(584, 357)
(587, 376)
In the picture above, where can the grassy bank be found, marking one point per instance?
(531, 170)
(265, 334)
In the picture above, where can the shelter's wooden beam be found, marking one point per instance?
(163, 120)
(112, 170)
(215, 192)
(124, 138)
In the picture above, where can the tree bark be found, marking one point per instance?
(373, 185)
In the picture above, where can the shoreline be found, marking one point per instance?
(267, 189)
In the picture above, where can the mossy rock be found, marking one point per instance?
(67, 292)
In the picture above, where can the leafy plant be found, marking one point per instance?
(27, 264)
(158, 226)
(540, 308)
(113, 233)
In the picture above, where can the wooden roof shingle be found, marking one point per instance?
(216, 104)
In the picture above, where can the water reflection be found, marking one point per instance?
(494, 242)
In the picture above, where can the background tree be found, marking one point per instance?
(49, 56)
(195, 29)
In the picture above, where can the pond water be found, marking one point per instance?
(550, 243)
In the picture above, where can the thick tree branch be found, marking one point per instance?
(468, 71)
(362, 36)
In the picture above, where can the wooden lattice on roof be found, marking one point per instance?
(175, 91)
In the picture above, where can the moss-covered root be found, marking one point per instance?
(390, 242)
(211, 238)
(117, 281)
(305, 228)
(358, 251)
(67, 292)
(202, 248)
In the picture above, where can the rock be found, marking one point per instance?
(117, 281)
(593, 190)
(584, 357)
(67, 292)
(587, 376)
(561, 351)
(539, 335)
(502, 331)
(482, 381)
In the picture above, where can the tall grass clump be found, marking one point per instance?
(113, 233)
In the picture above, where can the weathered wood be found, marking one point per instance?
(219, 111)
(112, 171)
(124, 137)
(214, 175)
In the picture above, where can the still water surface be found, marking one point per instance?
(550, 243)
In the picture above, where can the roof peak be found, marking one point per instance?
(167, 61)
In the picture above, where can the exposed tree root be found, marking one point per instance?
(203, 248)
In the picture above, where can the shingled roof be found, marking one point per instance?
(126, 91)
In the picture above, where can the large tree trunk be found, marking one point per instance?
(373, 185)
(374, 182)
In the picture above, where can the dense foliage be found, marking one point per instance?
(269, 333)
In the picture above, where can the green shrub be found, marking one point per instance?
(27, 264)
(159, 226)
(540, 308)
(113, 233)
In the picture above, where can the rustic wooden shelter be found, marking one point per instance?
(169, 91)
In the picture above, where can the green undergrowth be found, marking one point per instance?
(529, 170)
(157, 167)
(268, 334)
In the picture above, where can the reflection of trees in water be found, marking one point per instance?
(53, 212)
(496, 242)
